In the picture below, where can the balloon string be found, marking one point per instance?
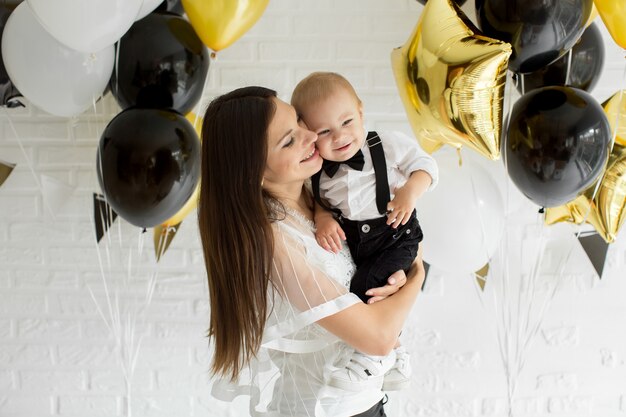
(504, 324)
(29, 164)
(569, 66)
(123, 314)
(525, 319)
(531, 337)
(501, 267)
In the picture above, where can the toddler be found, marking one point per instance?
(365, 194)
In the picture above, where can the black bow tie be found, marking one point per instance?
(356, 162)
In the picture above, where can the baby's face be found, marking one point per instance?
(338, 122)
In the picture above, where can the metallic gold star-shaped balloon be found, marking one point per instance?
(451, 80)
(606, 211)
(615, 109)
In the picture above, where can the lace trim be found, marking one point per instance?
(300, 218)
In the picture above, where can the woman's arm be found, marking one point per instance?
(374, 328)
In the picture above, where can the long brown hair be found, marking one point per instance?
(236, 234)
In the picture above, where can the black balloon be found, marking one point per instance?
(556, 145)
(8, 92)
(172, 6)
(580, 70)
(161, 63)
(148, 164)
(540, 31)
(458, 2)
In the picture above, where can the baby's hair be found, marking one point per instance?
(319, 85)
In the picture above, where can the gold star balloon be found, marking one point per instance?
(606, 210)
(615, 109)
(451, 80)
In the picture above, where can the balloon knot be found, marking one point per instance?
(144, 230)
(542, 210)
(213, 55)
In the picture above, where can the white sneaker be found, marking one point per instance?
(399, 376)
(362, 371)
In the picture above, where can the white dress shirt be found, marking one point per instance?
(354, 192)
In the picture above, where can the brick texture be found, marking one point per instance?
(80, 329)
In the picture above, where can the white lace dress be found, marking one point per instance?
(297, 355)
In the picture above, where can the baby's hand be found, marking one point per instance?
(401, 207)
(329, 234)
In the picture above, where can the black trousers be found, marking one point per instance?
(379, 250)
(376, 411)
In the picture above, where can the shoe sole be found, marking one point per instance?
(395, 385)
(356, 386)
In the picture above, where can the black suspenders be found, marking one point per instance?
(380, 171)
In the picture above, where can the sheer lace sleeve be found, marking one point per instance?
(308, 282)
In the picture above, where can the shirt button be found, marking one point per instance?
(365, 228)
(408, 231)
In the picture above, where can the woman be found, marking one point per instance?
(279, 305)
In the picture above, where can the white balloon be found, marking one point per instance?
(86, 25)
(512, 197)
(462, 218)
(53, 77)
(147, 7)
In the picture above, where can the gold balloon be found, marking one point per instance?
(451, 80)
(219, 23)
(615, 109)
(196, 121)
(613, 14)
(607, 211)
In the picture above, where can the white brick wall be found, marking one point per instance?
(59, 358)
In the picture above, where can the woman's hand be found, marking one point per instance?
(394, 283)
(397, 280)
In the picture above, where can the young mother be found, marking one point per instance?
(281, 317)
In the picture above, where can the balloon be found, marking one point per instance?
(147, 7)
(148, 164)
(192, 203)
(457, 2)
(161, 64)
(171, 6)
(557, 144)
(86, 25)
(55, 78)
(8, 92)
(580, 67)
(613, 14)
(219, 23)
(606, 211)
(462, 218)
(451, 81)
(615, 109)
(592, 16)
(540, 30)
